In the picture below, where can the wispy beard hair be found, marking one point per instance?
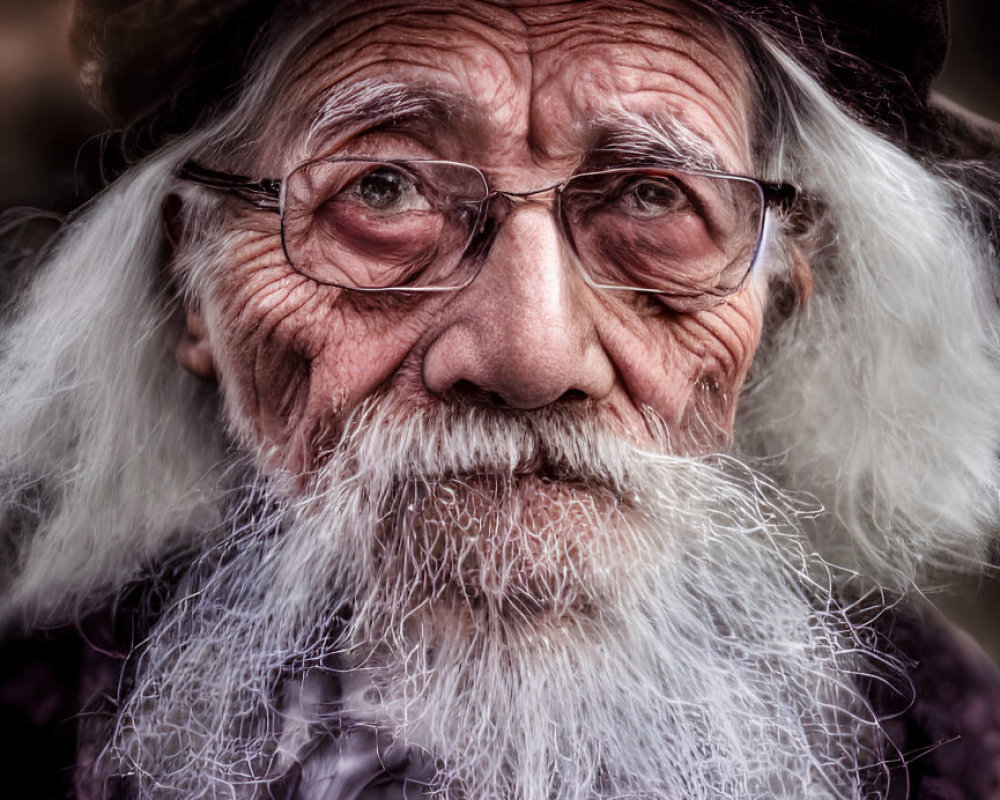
(540, 608)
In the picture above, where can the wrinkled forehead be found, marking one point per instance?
(535, 75)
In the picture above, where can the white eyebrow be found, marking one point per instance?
(659, 138)
(430, 110)
(377, 102)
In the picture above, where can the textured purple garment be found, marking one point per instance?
(358, 764)
(947, 726)
(38, 700)
(945, 723)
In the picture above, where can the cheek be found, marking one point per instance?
(688, 368)
(728, 338)
(294, 356)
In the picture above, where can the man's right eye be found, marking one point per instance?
(388, 189)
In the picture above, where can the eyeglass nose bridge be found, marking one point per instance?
(500, 204)
(512, 199)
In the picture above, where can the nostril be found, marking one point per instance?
(466, 391)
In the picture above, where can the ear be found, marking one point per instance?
(194, 349)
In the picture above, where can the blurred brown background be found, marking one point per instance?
(43, 119)
(50, 145)
(972, 73)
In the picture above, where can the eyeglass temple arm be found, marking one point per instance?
(782, 195)
(264, 193)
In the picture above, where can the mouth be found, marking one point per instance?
(540, 470)
(511, 544)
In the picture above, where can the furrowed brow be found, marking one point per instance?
(415, 109)
(635, 137)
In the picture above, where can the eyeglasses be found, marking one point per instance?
(411, 225)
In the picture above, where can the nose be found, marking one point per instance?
(524, 333)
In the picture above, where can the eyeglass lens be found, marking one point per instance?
(367, 224)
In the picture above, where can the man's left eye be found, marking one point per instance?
(652, 196)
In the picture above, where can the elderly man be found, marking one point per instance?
(515, 400)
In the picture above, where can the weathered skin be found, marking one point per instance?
(294, 357)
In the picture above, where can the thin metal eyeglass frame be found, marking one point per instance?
(268, 194)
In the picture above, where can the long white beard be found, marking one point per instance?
(540, 609)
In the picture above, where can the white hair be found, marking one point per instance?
(107, 448)
(877, 398)
(112, 455)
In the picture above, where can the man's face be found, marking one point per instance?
(534, 87)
